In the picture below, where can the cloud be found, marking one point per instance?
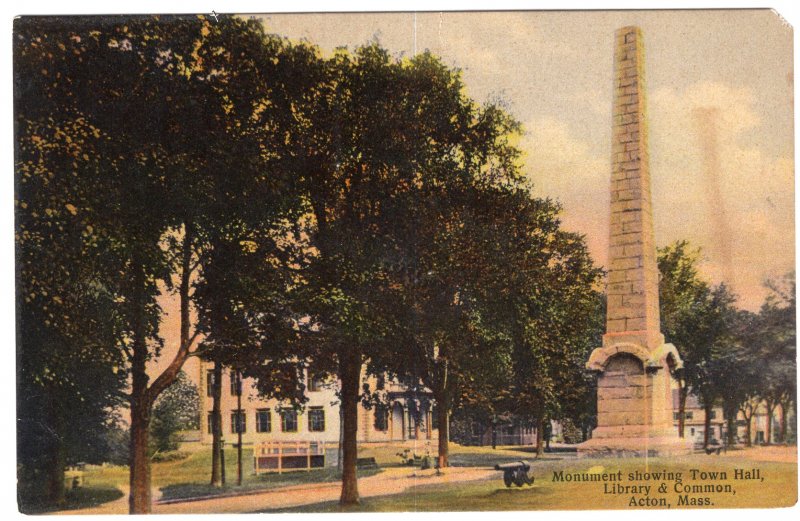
(563, 167)
(714, 181)
(715, 184)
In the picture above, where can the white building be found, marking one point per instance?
(317, 421)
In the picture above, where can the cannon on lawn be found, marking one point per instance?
(516, 473)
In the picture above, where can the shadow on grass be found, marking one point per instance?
(84, 497)
(501, 457)
(494, 499)
(514, 492)
(253, 484)
(551, 450)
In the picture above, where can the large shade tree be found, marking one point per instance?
(153, 96)
(690, 317)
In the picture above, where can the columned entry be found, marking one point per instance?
(398, 422)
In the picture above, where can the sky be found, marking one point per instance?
(720, 100)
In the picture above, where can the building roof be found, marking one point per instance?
(691, 401)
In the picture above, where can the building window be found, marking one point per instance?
(712, 415)
(210, 382)
(236, 384)
(687, 415)
(263, 420)
(240, 420)
(289, 420)
(316, 419)
(381, 418)
(315, 382)
(210, 419)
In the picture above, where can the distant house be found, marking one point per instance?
(694, 425)
(695, 415)
(318, 421)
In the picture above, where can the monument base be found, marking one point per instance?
(635, 447)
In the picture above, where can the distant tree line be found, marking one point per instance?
(740, 360)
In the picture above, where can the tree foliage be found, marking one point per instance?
(176, 409)
(731, 357)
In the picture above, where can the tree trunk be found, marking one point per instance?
(140, 495)
(139, 498)
(339, 457)
(683, 392)
(143, 396)
(540, 435)
(57, 461)
(782, 420)
(768, 430)
(350, 374)
(548, 433)
(216, 427)
(239, 425)
(707, 409)
(56, 476)
(731, 418)
(443, 418)
(749, 430)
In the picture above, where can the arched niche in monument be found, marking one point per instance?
(625, 364)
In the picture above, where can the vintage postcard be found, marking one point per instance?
(409, 261)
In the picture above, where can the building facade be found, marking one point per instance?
(260, 420)
(695, 415)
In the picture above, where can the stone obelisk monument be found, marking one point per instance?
(634, 402)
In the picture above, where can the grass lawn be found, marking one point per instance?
(779, 488)
(84, 497)
(189, 477)
(460, 456)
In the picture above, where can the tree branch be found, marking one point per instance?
(169, 374)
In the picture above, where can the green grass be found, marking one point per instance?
(460, 456)
(190, 477)
(84, 497)
(778, 489)
(252, 483)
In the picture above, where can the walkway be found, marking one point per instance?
(394, 480)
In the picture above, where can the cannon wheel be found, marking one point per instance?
(519, 477)
(508, 478)
(528, 479)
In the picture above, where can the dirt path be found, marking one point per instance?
(390, 481)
